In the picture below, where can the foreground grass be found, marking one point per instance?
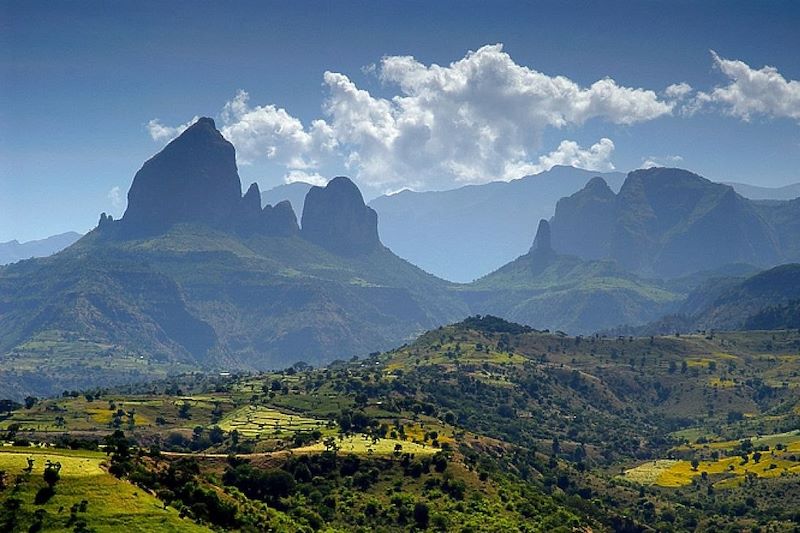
(112, 505)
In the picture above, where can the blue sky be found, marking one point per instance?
(82, 85)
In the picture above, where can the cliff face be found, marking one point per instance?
(336, 218)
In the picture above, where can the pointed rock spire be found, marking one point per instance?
(542, 240)
(279, 220)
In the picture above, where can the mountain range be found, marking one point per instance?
(754, 192)
(198, 275)
(13, 251)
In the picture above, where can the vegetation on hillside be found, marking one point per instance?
(484, 425)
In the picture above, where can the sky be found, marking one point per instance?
(406, 94)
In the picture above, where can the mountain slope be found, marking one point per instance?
(766, 300)
(294, 193)
(13, 251)
(465, 233)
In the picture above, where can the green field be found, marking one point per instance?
(261, 422)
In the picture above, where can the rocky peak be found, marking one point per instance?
(251, 200)
(541, 253)
(279, 220)
(542, 240)
(335, 217)
(193, 179)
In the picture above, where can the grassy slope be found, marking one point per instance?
(114, 505)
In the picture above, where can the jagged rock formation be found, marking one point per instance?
(465, 233)
(336, 218)
(193, 179)
(665, 222)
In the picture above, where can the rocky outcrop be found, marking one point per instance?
(248, 217)
(541, 253)
(542, 241)
(583, 222)
(336, 218)
(193, 179)
(279, 220)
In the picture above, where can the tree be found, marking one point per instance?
(695, 464)
(6, 406)
(422, 515)
(51, 473)
(166, 496)
(30, 401)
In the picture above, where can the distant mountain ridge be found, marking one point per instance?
(465, 233)
(548, 290)
(755, 192)
(13, 251)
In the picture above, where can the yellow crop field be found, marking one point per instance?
(677, 473)
(361, 445)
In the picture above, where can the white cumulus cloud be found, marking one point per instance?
(752, 91)
(477, 119)
(271, 132)
(116, 199)
(294, 176)
(596, 157)
(163, 133)
(661, 161)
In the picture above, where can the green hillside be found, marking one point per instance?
(108, 310)
(483, 425)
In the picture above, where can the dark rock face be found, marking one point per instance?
(193, 179)
(336, 218)
(541, 253)
(279, 220)
(249, 215)
(542, 241)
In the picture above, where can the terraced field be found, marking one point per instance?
(260, 422)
